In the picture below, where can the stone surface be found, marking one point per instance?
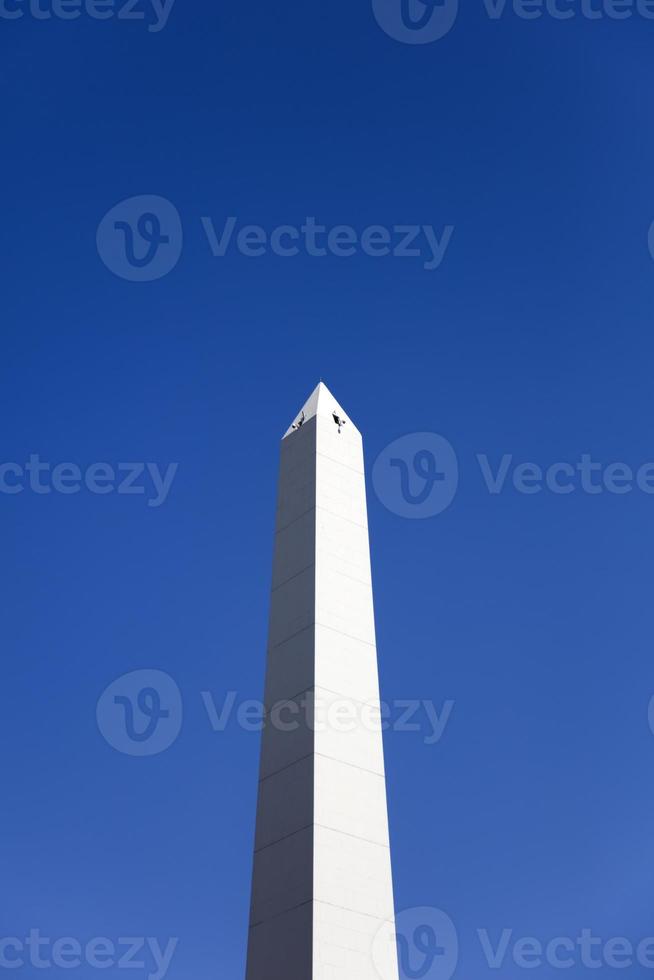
(322, 886)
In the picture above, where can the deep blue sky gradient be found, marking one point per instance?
(532, 613)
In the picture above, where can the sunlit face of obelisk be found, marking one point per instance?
(322, 888)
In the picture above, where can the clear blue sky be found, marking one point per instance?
(533, 613)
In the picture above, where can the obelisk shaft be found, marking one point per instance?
(322, 885)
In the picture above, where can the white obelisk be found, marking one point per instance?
(322, 887)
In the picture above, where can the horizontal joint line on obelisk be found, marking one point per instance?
(279, 840)
(325, 627)
(327, 511)
(358, 639)
(277, 915)
(337, 830)
(288, 765)
(294, 575)
(340, 462)
(295, 520)
(345, 908)
(321, 901)
(322, 826)
(364, 527)
(323, 755)
(321, 687)
(350, 578)
(291, 637)
(353, 765)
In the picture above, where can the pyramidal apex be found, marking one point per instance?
(320, 402)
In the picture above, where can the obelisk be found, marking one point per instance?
(322, 886)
